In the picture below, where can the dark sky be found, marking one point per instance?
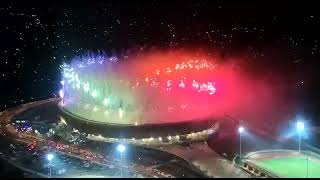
(36, 37)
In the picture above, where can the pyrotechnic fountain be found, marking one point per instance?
(150, 88)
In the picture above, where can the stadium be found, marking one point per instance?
(152, 103)
(283, 163)
(156, 98)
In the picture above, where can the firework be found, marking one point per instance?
(140, 89)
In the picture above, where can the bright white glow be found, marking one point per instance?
(169, 137)
(177, 136)
(62, 82)
(136, 123)
(121, 148)
(106, 101)
(120, 113)
(50, 156)
(241, 129)
(95, 109)
(160, 138)
(61, 93)
(300, 126)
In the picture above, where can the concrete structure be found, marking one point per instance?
(197, 153)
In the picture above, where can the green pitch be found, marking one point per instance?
(292, 167)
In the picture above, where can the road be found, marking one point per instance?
(207, 160)
(30, 138)
(87, 155)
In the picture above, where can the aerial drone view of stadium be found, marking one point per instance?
(154, 89)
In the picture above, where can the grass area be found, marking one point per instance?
(292, 167)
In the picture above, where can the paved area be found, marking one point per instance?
(204, 158)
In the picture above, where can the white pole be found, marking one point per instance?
(299, 142)
(63, 95)
(240, 145)
(50, 168)
(121, 164)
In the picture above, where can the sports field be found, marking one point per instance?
(292, 167)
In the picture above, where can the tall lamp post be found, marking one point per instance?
(241, 130)
(49, 158)
(61, 94)
(121, 148)
(300, 129)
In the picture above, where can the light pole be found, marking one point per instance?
(61, 94)
(50, 157)
(300, 129)
(121, 148)
(241, 130)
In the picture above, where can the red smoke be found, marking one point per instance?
(253, 98)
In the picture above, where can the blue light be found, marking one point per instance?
(50, 156)
(121, 148)
(300, 126)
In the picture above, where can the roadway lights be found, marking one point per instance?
(50, 158)
(121, 148)
(300, 129)
(240, 130)
(61, 93)
(300, 126)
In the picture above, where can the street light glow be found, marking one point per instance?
(121, 148)
(241, 129)
(50, 156)
(300, 126)
(106, 101)
(61, 93)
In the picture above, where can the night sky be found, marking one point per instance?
(36, 37)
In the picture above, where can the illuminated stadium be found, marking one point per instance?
(284, 163)
(164, 95)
